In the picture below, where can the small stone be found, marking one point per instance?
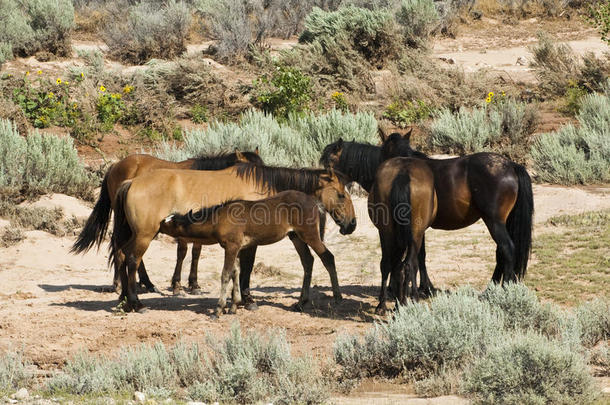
(21, 394)
(139, 396)
(12, 401)
(521, 61)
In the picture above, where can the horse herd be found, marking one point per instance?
(238, 202)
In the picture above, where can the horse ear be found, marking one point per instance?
(240, 156)
(256, 150)
(407, 136)
(339, 144)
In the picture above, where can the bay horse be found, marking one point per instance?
(481, 185)
(402, 204)
(240, 224)
(147, 199)
(94, 230)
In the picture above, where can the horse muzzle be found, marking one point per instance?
(347, 228)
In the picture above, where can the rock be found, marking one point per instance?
(449, 61)
(12, 401)
(139, 396)
(521, 61)
(21, 394)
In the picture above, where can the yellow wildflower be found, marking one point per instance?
(488, 99)
(491, 94)
(27, 73)
(50, 94)
(58, 81)
(82, 75)
(66, 82)
(39, 72)
(102, 89)
(74, 105)
(127, 89)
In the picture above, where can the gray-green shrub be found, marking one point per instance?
(530, 369)
(147, 30)
(577, 154)
(41, 163)
(423, 338)
(418, 20)
(298, 141)
(593, 318)
(504, 127)
(14, 373)
(35, 25)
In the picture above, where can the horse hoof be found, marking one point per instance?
(338, 300)
(380, 311)
(233, 310)
(196, 291)
(298, 307)
(251, 306)
(142, 310)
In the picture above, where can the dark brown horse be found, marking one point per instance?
(402, 205)
(482, 185)
(149, 198)
(240, 224)
(94, 231)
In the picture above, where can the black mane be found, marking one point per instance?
(223, 160)
(359, 161)
(280, 179)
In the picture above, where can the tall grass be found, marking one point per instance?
(577, 154)
(14, 371)
(296, 142)
(41, 163)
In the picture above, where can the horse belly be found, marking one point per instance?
(455, 210)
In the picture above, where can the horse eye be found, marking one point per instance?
(341, 196)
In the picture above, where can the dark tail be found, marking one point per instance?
(95, 228)
(400, 211)
(121, 233)
(520, 221)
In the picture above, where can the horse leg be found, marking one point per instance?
(387, 264)
(144, 280)
(180, 255)
(426, 289)
(504, 253)
(246, 263)
(411, 271)
(307, 263)
(236, 296)
(328, 260)
(193, 284)
(228, 271)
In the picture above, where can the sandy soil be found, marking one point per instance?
(52, 304)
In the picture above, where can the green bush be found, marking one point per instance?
(594, 320)
(252, 368)
(504, 127)
(370, 33)
(405, 113)
(599, 16)
(41, 163)
(577, 155)
(530, 369)
(298, 141)
(422, 338)
(14, 373)
(418, 19)
(35, 25)
(147, 30)
(286, 92)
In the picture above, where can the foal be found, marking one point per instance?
(240, 224)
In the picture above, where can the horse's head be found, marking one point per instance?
(331, 155)
(248, 157)
(336, 200)
(397, 145)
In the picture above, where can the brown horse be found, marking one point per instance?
(240, 224)
(95, 228)
(481, 185)
(154, 196)
(402, 205)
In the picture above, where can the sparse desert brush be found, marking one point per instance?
(418, 19)
(558, 68)
(14, 371)
(529, 368)
(504, 127)
(147, 30)
(297, 141)
(36, 25)
(41, 163)
(577, 154)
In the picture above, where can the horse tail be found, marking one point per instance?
(520, 221)
(400, 211)
(121, 233)
(94, 231)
